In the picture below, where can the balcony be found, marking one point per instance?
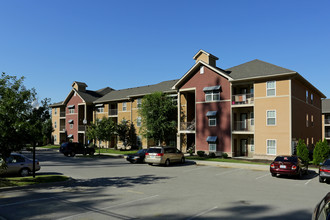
(113, 112)
(243, 99)
(327, 121)
(244, 126)
(81, 127)
(62, 114)
(188, 126)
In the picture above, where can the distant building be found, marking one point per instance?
(326, 120)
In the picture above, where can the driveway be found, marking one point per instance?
(112, 188)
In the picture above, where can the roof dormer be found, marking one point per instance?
(205, 57)
(79, 86)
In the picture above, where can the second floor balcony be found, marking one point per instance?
(327, 121)
(243, 99)
(244, 126)
(113, 112)
(188, 126)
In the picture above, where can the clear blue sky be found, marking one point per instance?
(123, 44)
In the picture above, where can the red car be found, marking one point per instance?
(288, 165)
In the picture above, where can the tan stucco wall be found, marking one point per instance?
(56, 118)
(281, 131)
(104, 114)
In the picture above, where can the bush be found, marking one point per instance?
(201, 153)
(212, 155)
(321, 152)
(225, 155)
(302, 151)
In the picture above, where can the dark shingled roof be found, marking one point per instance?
(123, 94)
(326, 106)
(256, 68)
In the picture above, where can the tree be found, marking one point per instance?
(158, 114)
(15, 108)
(127, 133)
(132, 136)
(302, 151)
(47, 129)
(321, 152)
(91, 132)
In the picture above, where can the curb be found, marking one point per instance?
(12, 188)
(233, 165)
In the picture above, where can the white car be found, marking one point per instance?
(19, 164)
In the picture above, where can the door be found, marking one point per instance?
(243, 147)
(244, 121)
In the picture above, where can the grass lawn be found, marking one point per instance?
(113, 151)
(51, 146)
(24, 181)
(229, 160)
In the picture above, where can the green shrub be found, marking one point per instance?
(321, 152)
(212, 155)
(302, 151)
(225, 155)
(201, 153)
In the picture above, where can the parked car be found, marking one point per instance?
(164, 156)
(138, 157)
(288, 165)
(18, 164)
(324, 171)
(73, 148)
(322, 209)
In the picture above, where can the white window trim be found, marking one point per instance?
(201, 70)
(267, 146)
(139, 103)
(71, 126)
(99, 110)
(124, 108)
(55, 111)
(271, 88)
(267, 117)
(212, 118)
(71, 110)
(138, 121)
(307, 96)
(55, 124)
(212, 93)
(210, 146)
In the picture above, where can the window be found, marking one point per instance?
(306, 96)
(71, 126)
(138, 122)
(212, 96)
(271, 117)
(252, 118)
(55, 124)
(212, 147)
(252, 144)
(312, 98)
(212, 121)
(100, 109)
(139, 103)
(271, 147)
(55, 111)
(55, 138)
(307, 120)
(271, 88)
(71, 110)
(312, 120)
(201, 70)
(124, 106)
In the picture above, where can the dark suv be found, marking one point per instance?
(288, 165)
(73, 148)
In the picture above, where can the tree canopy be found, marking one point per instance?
(158, 113)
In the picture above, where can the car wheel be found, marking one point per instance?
(321, 180)
(183, 160)
(150, 164)
(91, 153)
(273, 174)
(72, 154)
(24, 172)
(84, 153)
(66, 154)
(167, 163)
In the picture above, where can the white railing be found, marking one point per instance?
(247, 125)
(243, 99)
(113, 112)
(188, 126)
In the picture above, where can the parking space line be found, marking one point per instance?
(202, 213)
(109, 207)
(262, 176)
(230, 171)
(196, 169)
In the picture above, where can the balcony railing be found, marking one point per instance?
(62, 127)
(247, 125)
(188, 126)
(243, 99)
(82, 127)
(327, 134)
(113, 112)
(62, 114)
(326, 121)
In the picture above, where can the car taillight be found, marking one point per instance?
(272, 166)
(325, 170)
(147, 154)
(160, 154)
(293, 167)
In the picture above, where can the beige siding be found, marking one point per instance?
(56, 118)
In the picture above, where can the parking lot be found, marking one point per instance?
(112, 188)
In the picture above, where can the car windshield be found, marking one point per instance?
(326, 163)
(154, 150)
(286, 159)
(64, 144)
(141, 151)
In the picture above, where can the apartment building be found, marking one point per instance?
(326, 120)
(255, 109)
(71, 116)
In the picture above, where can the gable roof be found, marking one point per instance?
(125, 94)
(256, 69)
